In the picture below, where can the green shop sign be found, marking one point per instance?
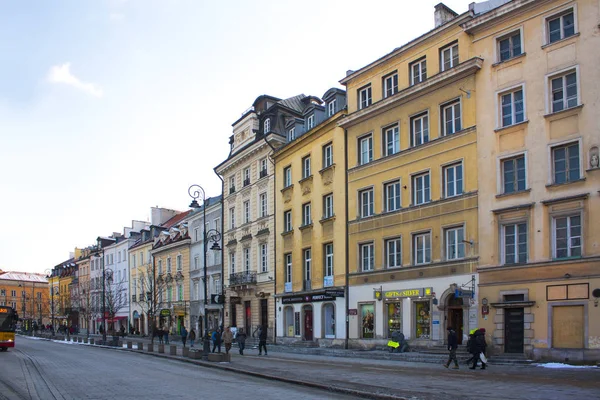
(165, 312)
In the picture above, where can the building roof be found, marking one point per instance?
(23, 276)
(176, 219)
(294, 103)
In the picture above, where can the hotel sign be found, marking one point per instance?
(404, 293)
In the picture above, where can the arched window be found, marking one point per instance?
(288, 321)
(329, 320)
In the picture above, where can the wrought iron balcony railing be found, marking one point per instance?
(242, 278)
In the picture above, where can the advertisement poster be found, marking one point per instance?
(368, 321)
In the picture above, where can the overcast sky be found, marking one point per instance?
(110, 107)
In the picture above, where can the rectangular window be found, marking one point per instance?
(306, 214)
(564, 91)
(364, 97)
(246, 176)
(262, 199)
(160, 268)
(287, 221)
(514, 243)
(419, 129)
(390, 85)
(179, 263)
(451, 118)
(267, 126)
(328, 206)
(196, 262)
(567, 236)
(367, 261)
(310, 122)
(232, 217)
(168, 265)
(366, 149)
(392, 196)
(449, 57)
(421, 189)
(391, 140)
(455, 245)
(307, 265)
(291, 134)
(246, 212)
(509, 46)
(328, 251)
(331, 108)
(133, 261)
(232, 262)
(512, 107)
(306, 172)
(561, 26)
(246, 259)
(232, 184)
(264, 258)
(327, 155)
(513, 174)
(141, 258)
(393, 252)
(288, 268)
(566, 163)
(366, 202)
(263, 168)
(453, 180)
(422, 248)
(418, 71)
(287, 177)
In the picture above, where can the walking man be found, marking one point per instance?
(241, 340)
(262, 340)
(192, 337)
(216, 338)
(227, 339)
(184, 334)
(452, 345)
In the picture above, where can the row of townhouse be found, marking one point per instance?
(27, 294)
(453, 183)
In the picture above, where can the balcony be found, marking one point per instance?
(263, 173)
(242, 278)
(246, 182)
(307, 285)
(288, 287)
(232, 190)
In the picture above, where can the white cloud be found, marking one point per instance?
(116, 16)
(62, 74)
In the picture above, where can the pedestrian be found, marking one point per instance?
(241, 340)
(216, 339)
(227, 338)
(192, 337)
(470, 345)
(122, 331)
(161, 334)
(166, 336)
(184, 335)
(452, 345)
(262, 340)
(479, 348)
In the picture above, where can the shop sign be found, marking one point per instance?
(463, 294)
(334, 292)
(421, 292)
(308, 298)
(352, 311)
(165, 312)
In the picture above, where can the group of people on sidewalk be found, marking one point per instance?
(476, 346)
(226, 337)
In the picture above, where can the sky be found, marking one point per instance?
(111, 107)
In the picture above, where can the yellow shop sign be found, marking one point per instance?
(391, 294)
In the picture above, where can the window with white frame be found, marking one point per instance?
(512, 107)
(168, 265)
(232, 262)
(263, 167)
(288, 268)
(262, 200)
(232, 184)
(366, 202)
(247, 259)
(328, 262)
(327, 155)
(455, 245)
(119, 256)
(364, 97)
(141, 257)
(451, 117)
(449, 57)
(307, 264)
(567, 236)
(291, 134)
(366, 149)
(419, 129)
(331, 108)
(179, 263)
(247, 211)
(418, 71)
(422, 248)
(421, 188)
(232, 218)
(509, 46)
(287, 221)
(392, 196)
(160, 267)
(195, 292)
(453, 180)
(133, 261)
(196, 262)
(564, 89)
(390, 85)
(306, 172)
(217, 223)
(566, 164)
(287, 177)
(264, 257)
(367, 257)
(560, 26)
(246, 176)
(391, 140)
(393, 252)
(513, 174)
(267, 126)
(180, 292)
(310, 122)
(514, 243)
(328, 206)
(306, 214)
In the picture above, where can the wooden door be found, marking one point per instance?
(514, 327)
(308, 324)
(455, 320)
(567, 327)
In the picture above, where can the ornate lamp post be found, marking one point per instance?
(50, 275)
(211, 236)
(101, 255)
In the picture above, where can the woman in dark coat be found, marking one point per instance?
(479, 346)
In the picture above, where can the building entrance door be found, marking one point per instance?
(233, 315)
(308, 323)
(513, 330)
(248, 317)
(264, 313)
(454, 316)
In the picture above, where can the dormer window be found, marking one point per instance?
(331, 108)
(364, 97)
(310, 122)
(291, 134)
(267, 126)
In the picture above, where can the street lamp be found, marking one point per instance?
(211, 236)
(50, 274)
(98, 254)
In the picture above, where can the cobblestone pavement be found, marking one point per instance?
(39, 369)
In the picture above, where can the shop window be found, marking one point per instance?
(394, 318)
(367, 313)
(289, 321)
(329, 320)
(423, 319)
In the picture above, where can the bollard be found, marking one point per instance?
(129, 344)
(92, 340)
(173, 350)
(161, 348)
(140, 345)
(186, 351)
(79, 339)
(120, 344)
(85, 340)
(150, 348)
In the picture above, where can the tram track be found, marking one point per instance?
(38, 386)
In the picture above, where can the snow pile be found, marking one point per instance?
(563, 366)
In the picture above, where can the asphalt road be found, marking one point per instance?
(39, 369)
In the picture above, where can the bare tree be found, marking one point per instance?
(84, 302)
(150, 298)
(115, 296)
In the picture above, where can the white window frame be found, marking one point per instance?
(569, 237)
(179, 261)
(499, 111)
(306, 214)
(423, 199)
(508, 35)
(451, 48)
(516, 244)
(247, 260)
(421, 64)
(390, 84)
(560, 14)
(263, 202)
(327, 155)
(267, 126)
(232, 182)
(328, 206)
(307, 264)
(456, 121)
(453, 233)
(423, 135)
(310, 122)
(246, 176)
(288, 267)
(287, 177)
(562, 74)
(331, 107)
(565, 143)
(368, 140)
(365, 98)
(394, 132)
(501, 180)
(396, 252)
(445, 169)
(287, 221)
(232, 262)
(291, 134)
(232, 217)
(366, 255)
(426, 236)
(368, 202)
(396, 187)
(306, 170)
(263, 165)
(247, 212)
(263, 257)
(328, 261)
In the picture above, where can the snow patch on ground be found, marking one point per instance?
(564, 366)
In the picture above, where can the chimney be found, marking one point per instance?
(349, 72)
(443, 14)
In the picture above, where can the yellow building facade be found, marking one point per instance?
(142, 282)
(310, 240)
(538, 166)
(412, 189)
(27, 293)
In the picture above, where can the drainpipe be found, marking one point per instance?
(346, 237)
(274, 243)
